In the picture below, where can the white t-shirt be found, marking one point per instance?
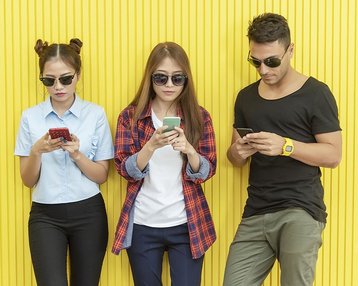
(160, 201)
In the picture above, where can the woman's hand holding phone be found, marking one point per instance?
(161, 138)
(164, 135)
(180, 143)
(72, 147)
(60, 139)
(158, 140)
(45, 145)
(69, 142)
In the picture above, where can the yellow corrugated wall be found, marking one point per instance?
(118, 36)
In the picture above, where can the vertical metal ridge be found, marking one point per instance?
(118, 37)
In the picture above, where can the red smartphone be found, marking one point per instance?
(60, 132)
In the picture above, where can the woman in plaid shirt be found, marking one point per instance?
(165, 208)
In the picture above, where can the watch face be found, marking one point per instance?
(288, 148)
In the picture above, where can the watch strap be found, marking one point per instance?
(288, 147)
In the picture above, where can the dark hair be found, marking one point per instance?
(68, 53)
(186, 101)
(269, 27)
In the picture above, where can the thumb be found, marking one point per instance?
(74, 138)
(46, 136)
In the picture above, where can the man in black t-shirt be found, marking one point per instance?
(295, 126)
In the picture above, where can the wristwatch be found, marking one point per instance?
(288, 147)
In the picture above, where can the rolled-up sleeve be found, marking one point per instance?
(132, 169)
(207, 153)
(203, 172)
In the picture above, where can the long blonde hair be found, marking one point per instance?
(186, 101)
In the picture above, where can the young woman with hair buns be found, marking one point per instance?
(68, 213)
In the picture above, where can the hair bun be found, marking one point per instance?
(76, 44)
(40, 47)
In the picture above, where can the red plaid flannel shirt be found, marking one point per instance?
(130, 141)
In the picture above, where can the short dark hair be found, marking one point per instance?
(269, 27)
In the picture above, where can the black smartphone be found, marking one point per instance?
(244, 131)
(60, 132)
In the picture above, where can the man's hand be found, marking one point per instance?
(266, 143)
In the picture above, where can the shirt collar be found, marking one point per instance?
(76, 106)
(75, 109)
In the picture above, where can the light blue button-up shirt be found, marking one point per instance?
(61, 181)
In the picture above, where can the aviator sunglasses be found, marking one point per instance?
(64, 80)
(271, 62)
(162, 79)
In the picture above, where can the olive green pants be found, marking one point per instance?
(292, 236)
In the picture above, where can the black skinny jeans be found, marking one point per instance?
(79, 227)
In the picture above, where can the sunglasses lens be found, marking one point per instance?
(160, 79)
(66, 80)
(179, 79)
(272, 62)
(255, 63)
(47, 81)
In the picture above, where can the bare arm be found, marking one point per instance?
(96, 171)
(176, 138)
(193, 159)
(30, 169)
(159, 139)
(30, 166)
(327, 152)
(181, 144)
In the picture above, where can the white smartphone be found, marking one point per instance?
(171, 122)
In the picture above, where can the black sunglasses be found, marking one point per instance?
(162, 79)
(64, 80)
(271, 62)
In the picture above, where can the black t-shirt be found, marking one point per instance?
(279, 182)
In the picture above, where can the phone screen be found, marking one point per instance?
(171, 122)
(244, 131)
(60, 132)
